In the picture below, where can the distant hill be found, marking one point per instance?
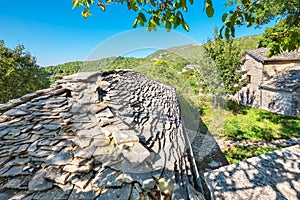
(247, 43)
(179, 57)
(193, 51)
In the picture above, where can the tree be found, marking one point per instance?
(151, 13)
(19, 73)
(169, 13)
(227, 59)
(284, 36)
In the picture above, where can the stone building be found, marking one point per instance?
(61, 143)
(272, 83)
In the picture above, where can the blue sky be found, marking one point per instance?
(55, 34)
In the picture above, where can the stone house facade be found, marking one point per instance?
(272, 83)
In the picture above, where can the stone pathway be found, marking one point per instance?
(59, 143)
(225, 144)
(274, 175)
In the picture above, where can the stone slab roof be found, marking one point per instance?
(260, 55)
(274, 175)
(288, 81)
(58, 143)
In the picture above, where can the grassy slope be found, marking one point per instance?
(244, 123)
(251, 124)
(247, 43)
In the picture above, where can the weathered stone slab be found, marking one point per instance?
(79, 166)
(82, 142)
(52, 127)
(15, 112)
(122, 137)
(273, 175)
(33, 147)
(108, 178)
(113, 161)
(54, 193)
(99, 107)
(38, 182)
(56, 175)
(105, 150)
(100, 141)
(89, 133)
(14, 171)
(107, 121)
(83, 181)
(105, 113)
(83, 153)
(14, 183)
(40, 153)
(136, 154)
(144, 179)
(62, 158)
(115, 106)
(123, 193)
(87, 193)
(55, 100)
(3, 160)
(128, 167)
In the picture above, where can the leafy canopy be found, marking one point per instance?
(227, 58)
(284, 36)
(151, 13)
(19, 73)
(169, 13)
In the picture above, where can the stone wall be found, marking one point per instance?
(250, 95)
(277, 101)
(296, 103)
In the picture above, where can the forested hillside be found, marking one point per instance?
(21, 75)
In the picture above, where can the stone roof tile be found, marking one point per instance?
(59, 143)
(261, 55)
(288, 81)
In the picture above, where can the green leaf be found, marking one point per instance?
(244, 2)
(210, 11)
(224, 17)
(209, 8)
(135, 22)
(168, 25)
(85, 13)
(227, 35)
(184, 25)
(133, 5)
(75, 2)
(151, 25)
(177, 19)
(156, 20)
(142, 17)
(153, 2)
(102, 6)
(183, 5)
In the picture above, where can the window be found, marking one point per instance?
(248, 78)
